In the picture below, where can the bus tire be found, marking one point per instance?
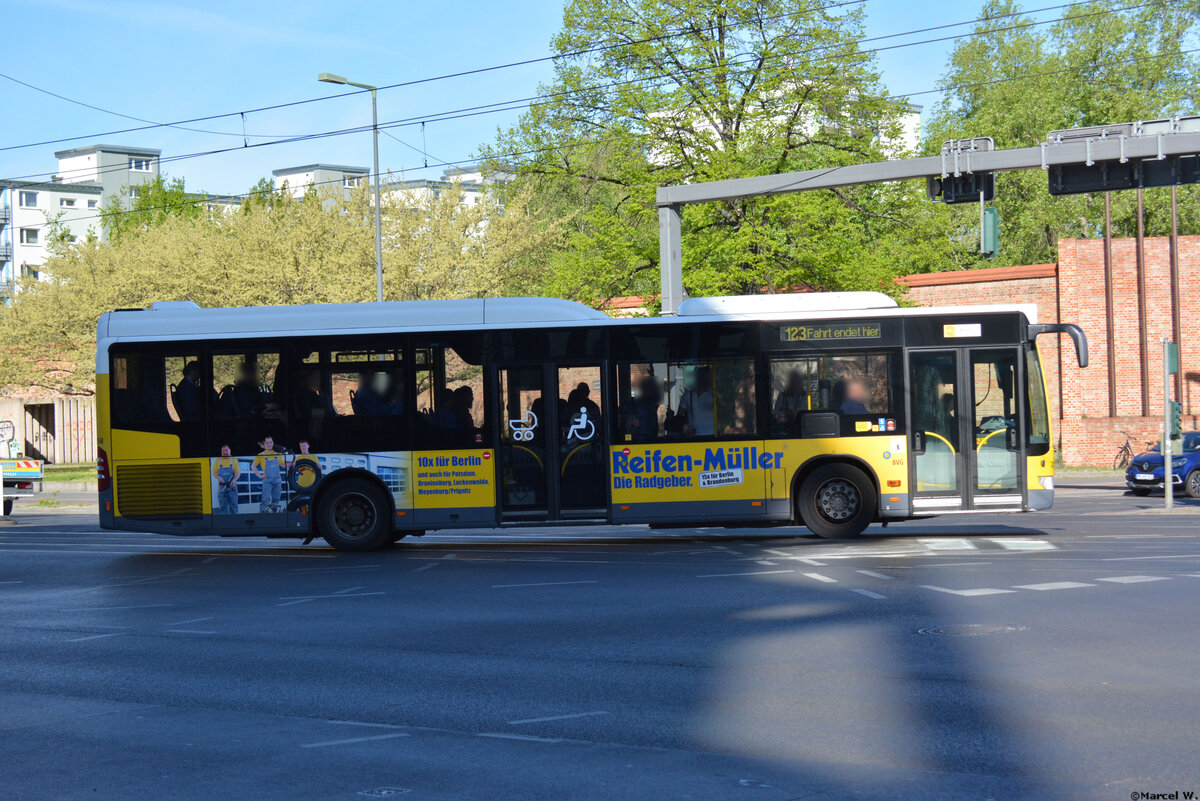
(836, 501)
(354, 516)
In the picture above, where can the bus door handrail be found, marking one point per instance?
(1071, 330)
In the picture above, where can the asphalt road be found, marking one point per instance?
(1042, 656)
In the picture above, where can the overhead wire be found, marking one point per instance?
(487, 108)
(591, 142)
(480, 70)
(401, 84)
(532, 101)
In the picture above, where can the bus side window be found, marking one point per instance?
(160, 391)
(640, 410)
(710, 398)
(248, 407)
(450, 402)
(858, 387)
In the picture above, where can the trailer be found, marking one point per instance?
(19, 477)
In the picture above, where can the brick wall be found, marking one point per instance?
(1073, 291)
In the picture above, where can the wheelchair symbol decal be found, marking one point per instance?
(580, 425)
(522, 430)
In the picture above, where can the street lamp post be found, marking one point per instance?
(328, 77)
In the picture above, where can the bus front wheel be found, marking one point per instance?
(353, 516)
(836, 501)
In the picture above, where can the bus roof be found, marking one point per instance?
(177, 320)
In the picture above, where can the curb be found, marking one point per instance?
(67, 486)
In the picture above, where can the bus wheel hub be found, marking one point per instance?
(838, 500)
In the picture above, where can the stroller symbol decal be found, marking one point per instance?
(522, 430)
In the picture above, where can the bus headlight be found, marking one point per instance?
(1047, 482)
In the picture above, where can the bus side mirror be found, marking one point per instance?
(918, 443)
(1070, 329)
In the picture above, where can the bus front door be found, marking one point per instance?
(966, 430)
(552, 442)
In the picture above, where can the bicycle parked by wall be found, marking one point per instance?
(1125, 453)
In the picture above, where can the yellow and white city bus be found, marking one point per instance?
(363, 423)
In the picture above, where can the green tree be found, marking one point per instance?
(650, 93)
(157, 201)
(1103, 63)
(274, 250)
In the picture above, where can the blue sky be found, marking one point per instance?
(166, 61)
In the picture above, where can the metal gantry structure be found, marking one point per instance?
(1096, 159)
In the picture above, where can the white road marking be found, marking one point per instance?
(114, 608)
(869, 594)
(776, 552)
(727, 550)
(186, 622)
(425, 567)
(809, 561)
(948, 545)
(326, 569)
(873, 574)
(12, 582)
(542, 584)
(749, 573)
(967, 593)
(210, 560)
(1024, 545)
(765, 562)
(450, 556)
(556, 717)
(1138, 558)
(955, 564)
(364, 723)
(819, 577)
(353, 740)
(189, 631)
(95, 637)
(348, 589)
(1132, 579)
(292, 600)
(526, 737)
(1053, 585)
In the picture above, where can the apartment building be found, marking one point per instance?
(32, 212)
(297, 180)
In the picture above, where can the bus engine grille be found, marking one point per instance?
(160, 490)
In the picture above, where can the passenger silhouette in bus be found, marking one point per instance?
(698, 404)
(855, 397)
(227, 472)
(311, 407)
(639, 417)
(792, 400)
(187, 396)
(464, 402)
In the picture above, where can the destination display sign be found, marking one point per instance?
(830, 331)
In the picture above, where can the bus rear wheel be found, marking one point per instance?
(836, 501)
(353, 516)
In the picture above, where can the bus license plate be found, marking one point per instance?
(1145, 476)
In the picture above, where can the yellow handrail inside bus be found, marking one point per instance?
(989, 436)
(532, 453)
(574, 451)
(943, 439)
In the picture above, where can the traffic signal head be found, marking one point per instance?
(1176, 419)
